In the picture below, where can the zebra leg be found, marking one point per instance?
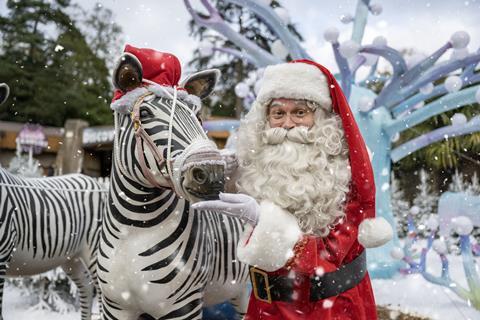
(2, 282)
(240, 302)
(78, 272)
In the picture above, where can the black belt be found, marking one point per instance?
(270, 288)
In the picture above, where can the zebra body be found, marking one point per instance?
(158, 259)
(51, 222)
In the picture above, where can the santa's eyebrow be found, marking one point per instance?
(276, 104)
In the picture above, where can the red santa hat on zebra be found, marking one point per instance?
(140, 70)
(317, 84)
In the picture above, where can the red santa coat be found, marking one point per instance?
(277, 232)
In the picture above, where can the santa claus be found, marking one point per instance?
(308, 195)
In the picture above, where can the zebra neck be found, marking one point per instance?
(133, 204)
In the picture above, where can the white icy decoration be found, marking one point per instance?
(439, 246)
(427, 89)
(282, 13)
(414, 210)
(458, 119)
(331, 34)
(460, 39)
(279, 50)
(346, 18)
(432, 222)
(376, 9)
(58, 48)
(458, 54)
(477, 96)
(397, 253)
(349, 49)
(365, 103)
(462, 225)
(453, 84)
(205, 48)
(380, 41)
(241, 90)
(370, 59)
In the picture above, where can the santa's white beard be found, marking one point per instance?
(303, 171)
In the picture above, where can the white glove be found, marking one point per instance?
(231, 161)
(236, 205)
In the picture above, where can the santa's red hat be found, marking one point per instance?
(305, 79)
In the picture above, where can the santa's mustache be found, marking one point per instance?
(300, 134)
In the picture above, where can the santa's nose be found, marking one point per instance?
(288, 123)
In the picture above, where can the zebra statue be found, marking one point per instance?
(50, 222)
(157, 258)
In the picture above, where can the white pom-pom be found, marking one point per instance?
(453, 84)
(370, 59)
(282, 13)
(365, 104)
(397, 253)
(380, 41)
(414, 210)
(349, 49)
(477, 96)
(439, 246)
(458, 119)
(331, 34)
(376, 9)
(458, 54)
(374, 232)
(460, 39)
(346, 18)
(205, 48)
(432, 222)
(257, 87)
(241, 90)
(279, 50)
(427, 89)
(463, 225)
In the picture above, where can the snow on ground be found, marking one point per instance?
(415, 295)
(412, 294)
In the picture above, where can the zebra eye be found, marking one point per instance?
(145, 113)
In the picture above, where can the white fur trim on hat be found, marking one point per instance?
(295, 81)
(126, 102)
(374, 232)
(270, 244)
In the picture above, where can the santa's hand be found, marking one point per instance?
(231, 161)
(236, 205)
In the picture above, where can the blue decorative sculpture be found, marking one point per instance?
(380, 117)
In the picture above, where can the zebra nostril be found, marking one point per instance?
(200, 175)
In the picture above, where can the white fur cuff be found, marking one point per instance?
(374, 232)
(271, 242)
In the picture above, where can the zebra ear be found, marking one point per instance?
(4, 91)
(202, 83)
(128, 73)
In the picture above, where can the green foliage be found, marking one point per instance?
(53, 73)
(233, 69)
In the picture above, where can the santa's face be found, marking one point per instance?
(303, 170)
(289, 113)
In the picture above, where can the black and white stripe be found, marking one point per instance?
(157, 258)
(51, 222)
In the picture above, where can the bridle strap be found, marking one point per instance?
(141, 136)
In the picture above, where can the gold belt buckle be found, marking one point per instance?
(255, 285)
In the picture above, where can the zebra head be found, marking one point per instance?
(159, 140)
(4, 91)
